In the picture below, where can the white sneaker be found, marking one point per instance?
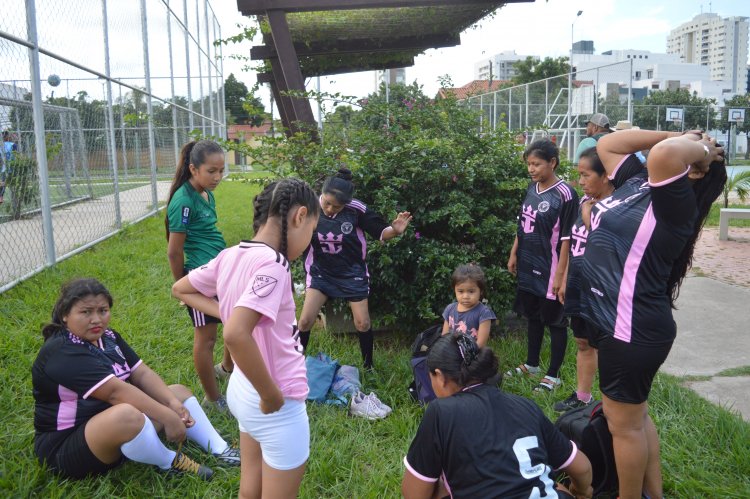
(383, 407)
(365, 407)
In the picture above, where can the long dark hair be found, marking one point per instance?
(469, 272)
(460, 359)
(706, 190)
(281, 198)
(340, 185)
(71, 293)
(193, 153)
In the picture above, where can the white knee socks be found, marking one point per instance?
(147, 448)
(203, 432)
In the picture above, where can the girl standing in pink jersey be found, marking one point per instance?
(268, 387)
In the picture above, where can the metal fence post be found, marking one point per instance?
(149, 107)
(175, 138)
(494, 110)
(630, 93)
(224, 134)
(510, 109)
(208, 66)
(200, 66)
(39, 132)
(527, 106)
(111, 119)
(191, 120)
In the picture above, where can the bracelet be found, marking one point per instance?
(707, 151)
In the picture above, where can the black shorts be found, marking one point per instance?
(583, 330)
(626, 371)
(550, 312)
(351, 289)
(198, 318)
(70, 457)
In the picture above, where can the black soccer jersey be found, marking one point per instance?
(68, 370)
(486, 443)
(338, 248)
(636, 235)
(578, 237)
(544, 222)
(628, 167)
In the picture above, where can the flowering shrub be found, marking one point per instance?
(414, 154)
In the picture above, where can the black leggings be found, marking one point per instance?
(558, 339)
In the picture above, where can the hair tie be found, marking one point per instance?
(467, 347)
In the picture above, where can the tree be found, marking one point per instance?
(651, 113)
(738, 101)
(243, 106)
(531, 70)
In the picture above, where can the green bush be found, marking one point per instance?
(23, 184)
(427, 157)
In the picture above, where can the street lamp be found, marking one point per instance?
(570, 87)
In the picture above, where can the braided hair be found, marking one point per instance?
(287, 194)
(261, 205)
(71, 293)
(460, 359)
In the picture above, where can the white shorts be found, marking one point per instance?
(284, 436)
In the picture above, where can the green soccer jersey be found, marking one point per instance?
(190, 213)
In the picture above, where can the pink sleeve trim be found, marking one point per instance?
(383, 232)
(93, 389)
(614, 172)
(669, 180)
(136, 365)
(417, 474)
(570, 459)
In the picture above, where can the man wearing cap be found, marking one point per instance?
(596, 127)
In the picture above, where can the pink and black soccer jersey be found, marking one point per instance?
(636, 235)
(255, 276)
(335, 261)
(578, 237)
(544, 222)
(68, 370)
(486, 443)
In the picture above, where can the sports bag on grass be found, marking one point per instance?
(587, 427)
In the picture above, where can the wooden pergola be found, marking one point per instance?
(304, 38)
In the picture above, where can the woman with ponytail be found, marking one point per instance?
(335, 262)
(193, 240)
(268, 388)
(640, 245)
(477, 441)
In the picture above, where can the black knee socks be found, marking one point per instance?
(365, 346)
(304, 339)
(535, 337)
(559, 341)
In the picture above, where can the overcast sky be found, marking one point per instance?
(540, 28)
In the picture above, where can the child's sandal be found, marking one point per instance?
(548, 384)
(521, 370)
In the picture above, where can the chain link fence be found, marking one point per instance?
(96, 99)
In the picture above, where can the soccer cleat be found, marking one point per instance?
(219, 404)
(221, 373)
(365, 407)
(231, 456)
(183, 465)
(572, 402)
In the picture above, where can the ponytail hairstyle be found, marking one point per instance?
(470, 272)
(193, 153)
(706, 190)
(71, 293)
(340, 186)
(544, 149)
(461, 360)
(596, 164)
(287, 194)
(261, 204)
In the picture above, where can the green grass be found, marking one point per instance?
(713, 216)
(704, 447)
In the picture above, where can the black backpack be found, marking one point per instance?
(587, 427)
(420, 388)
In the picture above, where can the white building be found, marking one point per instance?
(11, 93)
(499, 66)
(393, 76)
(716, 42)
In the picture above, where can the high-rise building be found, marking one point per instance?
(583, 47)
(716, 42)
(499, 66)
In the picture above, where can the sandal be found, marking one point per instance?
(548, 384)
(522, 369)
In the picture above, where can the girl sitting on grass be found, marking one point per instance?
(468, 314)
(97, 402)
(268, 388)
(477, 441)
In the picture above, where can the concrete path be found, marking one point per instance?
(713, 321)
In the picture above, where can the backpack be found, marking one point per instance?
(421, 388)
(587, 427)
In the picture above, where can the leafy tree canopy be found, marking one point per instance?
(530, 69)
(243, 106)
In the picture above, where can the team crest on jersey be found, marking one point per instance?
(330, 243)
(528, 217)
(347, 227)
(543, 207)
(264, 285)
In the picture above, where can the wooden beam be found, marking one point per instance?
(335, 70)
(260, 7)
(334, 47)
